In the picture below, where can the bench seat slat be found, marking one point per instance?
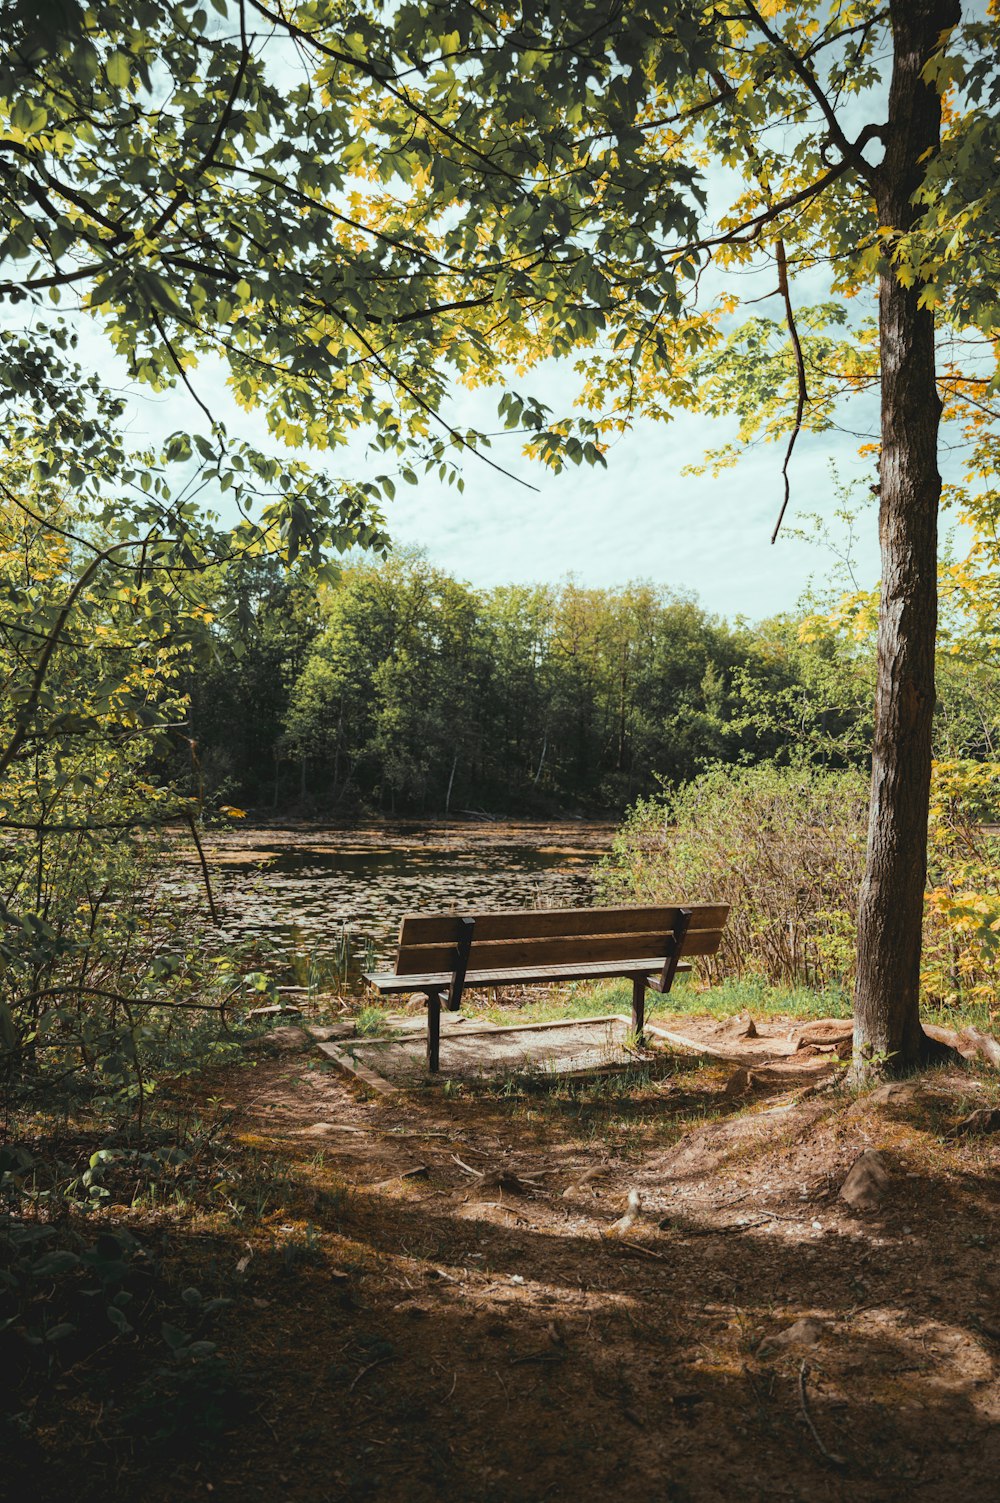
(546, 923)
(388, 981)
(504, 954)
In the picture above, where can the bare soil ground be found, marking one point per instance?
(625, 1289)
(477, 1314)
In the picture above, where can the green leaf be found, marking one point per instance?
(119, 70)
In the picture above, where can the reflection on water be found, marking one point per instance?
(324, 905)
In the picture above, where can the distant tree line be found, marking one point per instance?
(403, 690)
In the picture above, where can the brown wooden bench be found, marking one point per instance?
(442, 954)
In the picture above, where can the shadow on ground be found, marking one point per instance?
(446, 1296)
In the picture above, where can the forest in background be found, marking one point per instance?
(400, 689)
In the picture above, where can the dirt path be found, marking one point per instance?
(440, 1299)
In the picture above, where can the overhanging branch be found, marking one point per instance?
(800, 372)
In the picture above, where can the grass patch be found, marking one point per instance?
(370, 1022)
(727, 999)
(585, 999)
(755, 995)
(547, 1004)
(961, 1015)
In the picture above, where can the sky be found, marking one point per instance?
(640, 518)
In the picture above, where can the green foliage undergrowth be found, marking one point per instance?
(783, 846)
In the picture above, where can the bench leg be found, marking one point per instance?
(433, 1032)
(638, 1006)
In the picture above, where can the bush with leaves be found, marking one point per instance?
(106, 566)
(97, 1340)
(784, 846)
(962, 924)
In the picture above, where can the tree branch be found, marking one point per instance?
(425, 406)
(181, 195)
(800, 370)
(847, 148)
(750, 228)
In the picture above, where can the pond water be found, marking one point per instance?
(322, 904)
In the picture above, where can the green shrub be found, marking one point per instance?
(783, 846)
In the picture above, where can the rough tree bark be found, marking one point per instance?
(887, 1031)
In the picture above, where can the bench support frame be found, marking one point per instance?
(466, 929)
(464, 945)
(638, 1006)
(672, 951)
(433, 1032)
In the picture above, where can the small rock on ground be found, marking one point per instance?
(893, 1093)
(805, 1332)
(984, 1119)
(738, 1083)
(285, 1040)
(867, 1181)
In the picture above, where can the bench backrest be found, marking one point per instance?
(555, 936)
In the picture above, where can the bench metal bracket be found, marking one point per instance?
(466, 928)
(675, 945)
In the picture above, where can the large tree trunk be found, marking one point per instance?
(887, 1032)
